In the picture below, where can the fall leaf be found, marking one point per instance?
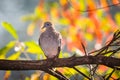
(7, 75)
(115, 1)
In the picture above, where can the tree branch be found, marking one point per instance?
(46, 65)
(63, 62)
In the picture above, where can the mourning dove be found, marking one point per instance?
(50, 41)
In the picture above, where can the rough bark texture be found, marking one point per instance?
(63, 62)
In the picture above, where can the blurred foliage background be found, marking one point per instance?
(91, 22)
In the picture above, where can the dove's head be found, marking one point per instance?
(47, 25)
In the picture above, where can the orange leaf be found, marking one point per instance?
(75, 5)
(115, 1)
(41, 4)
(98, 35)
(97, 29)
(46, 77)
(35, 76)
(102, 69)
(75, 42)
(54, 12)
(30, 29)
(63, 2)
(7, 75)
(104, 4)
(91, 5)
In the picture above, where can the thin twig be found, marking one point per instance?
(56, 74)
(81, 73)
(110, 74)
(84, 49)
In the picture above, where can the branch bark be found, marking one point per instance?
(60, 62)
(99, 58)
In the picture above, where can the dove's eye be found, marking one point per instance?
(48, 24)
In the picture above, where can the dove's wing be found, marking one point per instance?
(59, 46)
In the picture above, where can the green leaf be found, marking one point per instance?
(30, 17)
(37, 11)
(89, 36)
(27, 78)
(83, 69)
(52, 78)
(63, 55)
(63, 21)
(2, 57)
(82, 5)
(117, 18)
(14, 56)
(68, 71)
(10, 29)
(33, 48)
(5, 49)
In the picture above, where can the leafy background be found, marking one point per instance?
(91, 22)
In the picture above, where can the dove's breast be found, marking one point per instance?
(49, 43)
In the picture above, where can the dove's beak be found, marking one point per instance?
(43, 27)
